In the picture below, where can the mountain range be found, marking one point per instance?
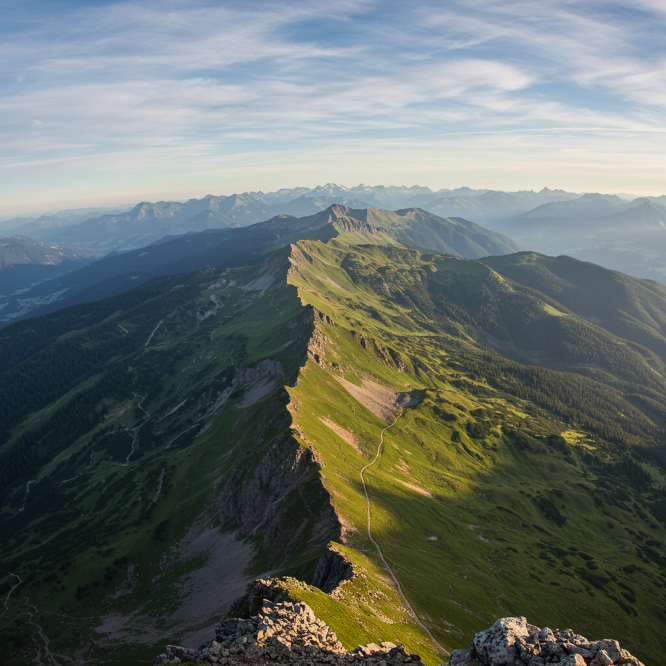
(606, 229)
(632, 238)
(234, 246)
(24, 262)
(412, 401)
(147, 222)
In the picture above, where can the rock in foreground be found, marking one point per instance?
(511, 641)
(284, 632)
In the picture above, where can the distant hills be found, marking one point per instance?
(66, 217)
(611, 230)
(147, 222)
(630, 238)
(24, 262)
(234, 246)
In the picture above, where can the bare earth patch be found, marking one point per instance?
(421, 491)
(380, 400)
(403, 466)
(343, 434)
(205, 593)
(117, 412)
(335, 284)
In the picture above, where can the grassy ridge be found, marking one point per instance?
(526, 521)
(223, 401)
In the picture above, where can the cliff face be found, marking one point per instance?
(275, 494)
(332, 569)
(261, 493)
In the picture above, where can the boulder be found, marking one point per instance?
(497, 646)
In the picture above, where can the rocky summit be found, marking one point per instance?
(284, 632)
(512, 641)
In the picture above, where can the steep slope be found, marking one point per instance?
(172, 442)
(628, 307)
(501, 483)
(417, 228)
(165, 402)
(24, 262)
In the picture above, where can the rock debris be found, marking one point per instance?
(512, 641)
(284, 632)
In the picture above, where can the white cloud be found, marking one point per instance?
(205, 85)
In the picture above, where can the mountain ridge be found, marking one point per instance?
(25, 262)
(223, 416)
(116, 273)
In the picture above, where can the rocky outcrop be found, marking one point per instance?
(284, 632)
(258, 591)
(274, 473)
(332, 569)
(280, 627)
(512, 641)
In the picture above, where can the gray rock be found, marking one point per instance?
(459, 658)
(573, 660)
(497, 646)
(629, 661)
(611, 648)
(332, 569)
(602, 659)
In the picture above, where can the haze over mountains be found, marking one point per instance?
(24, 262)
(147, 222)
(238, 245)
(630, 237)
(622, 234)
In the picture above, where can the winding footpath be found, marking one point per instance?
(31, 620)
(379, 550)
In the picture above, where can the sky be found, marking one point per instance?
(108, 102)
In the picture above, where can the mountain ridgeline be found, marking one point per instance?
(241, 246)
(621, 232)
(24, 262)
(165, 445)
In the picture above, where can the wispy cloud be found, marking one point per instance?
(176, 85)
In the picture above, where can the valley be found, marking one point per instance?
(164, 446)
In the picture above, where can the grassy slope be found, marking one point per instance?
(134, 483)
(499, 547)
(499, 487)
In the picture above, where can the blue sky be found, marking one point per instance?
(106, 102)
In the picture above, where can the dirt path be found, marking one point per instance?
(40, 632)
(150, 337)
(379, 550)
(25, 497)
(9, 594)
